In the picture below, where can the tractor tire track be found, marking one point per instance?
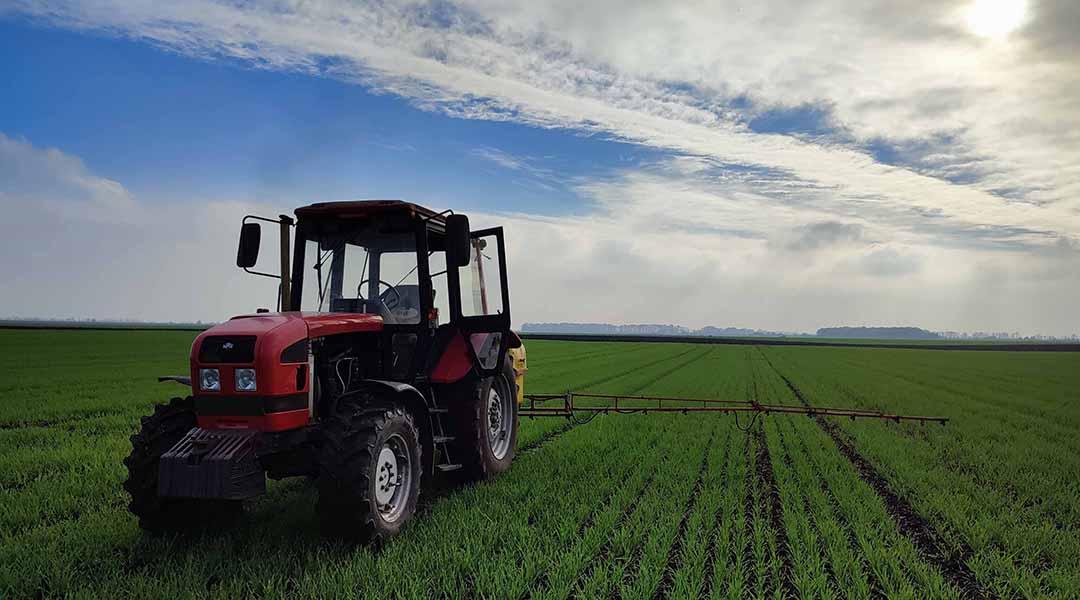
(569, 424)
(604, 552)
(674, 557)
(926, 539)
(876, 589)
(785, 445)
(546, 437)
(540, 583)
(774, 509)
(771, 504)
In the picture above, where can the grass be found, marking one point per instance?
(629, 506)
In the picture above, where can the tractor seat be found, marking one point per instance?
(406, 310)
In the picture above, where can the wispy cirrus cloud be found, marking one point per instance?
(693, 79)
(528, 166)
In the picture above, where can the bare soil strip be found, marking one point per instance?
(568, 425)
(546, 437)
(786, 446)
(876, 590)
(540, 583)
(674, 557)
(775, 510)
(603, 553)
(929, 542)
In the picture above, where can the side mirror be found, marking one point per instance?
(457, 241)
(248, 252)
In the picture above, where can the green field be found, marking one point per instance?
(630, 506)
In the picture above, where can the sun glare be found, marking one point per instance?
(996, 18)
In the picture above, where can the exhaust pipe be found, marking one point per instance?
(286, 280)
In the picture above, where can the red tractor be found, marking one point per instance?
(388, 360)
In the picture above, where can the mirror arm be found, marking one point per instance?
(260, 273)
(285, 222)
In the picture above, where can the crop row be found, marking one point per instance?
(999, 483)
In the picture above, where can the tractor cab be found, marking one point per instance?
(425, 275)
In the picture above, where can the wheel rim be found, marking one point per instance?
(500, 422)
(393, 478)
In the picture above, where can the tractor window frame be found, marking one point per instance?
(419, 231)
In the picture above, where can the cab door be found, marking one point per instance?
(481, 309)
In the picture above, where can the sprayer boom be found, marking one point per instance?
(570, 403)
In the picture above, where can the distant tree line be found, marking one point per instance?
(879, 333)
(649, 329)
(873, 333)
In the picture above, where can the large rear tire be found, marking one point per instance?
(486, 426)
(160, 432)
(369, 469)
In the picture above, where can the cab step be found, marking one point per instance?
(442, 439)
(447, 467)
(439, 410)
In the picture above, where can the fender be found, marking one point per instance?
(414, 402)
(513, 340)
(395, 387)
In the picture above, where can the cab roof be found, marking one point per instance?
(360, 209)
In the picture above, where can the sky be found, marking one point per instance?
(779, 165)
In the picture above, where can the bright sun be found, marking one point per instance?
(996, 18)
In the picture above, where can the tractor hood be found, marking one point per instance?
(274, 349)
(306, 324)
(270, 333)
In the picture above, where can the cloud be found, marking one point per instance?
(826, 233)
(639, 259)
(537, 175)
(59, 182)
(631, 260)
(826, 162)
(691, 79)
(76, 244)
(889, 262)
(500, 158)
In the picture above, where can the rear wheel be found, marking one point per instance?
(370, 469)
(487, 423)
(160, 432)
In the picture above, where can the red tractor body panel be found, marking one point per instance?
(281, 399)
(454, 363)
(324, 324)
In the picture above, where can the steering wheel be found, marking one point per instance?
(389, 288)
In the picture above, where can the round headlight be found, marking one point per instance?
(209, 380)
(245, 380)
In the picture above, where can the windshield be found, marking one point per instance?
(373, 274)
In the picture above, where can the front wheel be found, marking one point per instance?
(369, 471)
(487, 424)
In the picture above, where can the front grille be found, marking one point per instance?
(244, 405)
(228, 349)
